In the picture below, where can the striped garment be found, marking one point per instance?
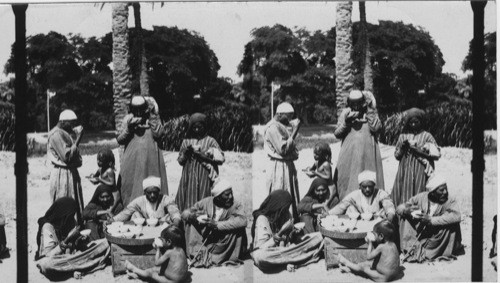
(411, 177)
(195, 183)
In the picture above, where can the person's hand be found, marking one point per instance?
(133, 122)
(211, 223)
(78, 130)
(351, 117)
(310, 173)
(277, 239)
(109, 213)
(406, 145)
(390, 216)
(94, 180)
(176, 222)
(425, 219)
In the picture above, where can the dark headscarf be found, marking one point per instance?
(414, 113)
(272, 207)
(316, 183)
(102, 188)
(197, 118)
(61, 214)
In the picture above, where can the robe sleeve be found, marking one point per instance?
(219, 158)
(398, 152)
(450, 215)
(64, 150)
(48, 240)
(236, 220)
(126, 213)
(125, 135)
(263, 233)
(281, 145)
(386, 203)
(342, 206)
(373, 120)
(90, 211)
(342, 129)
(305, 205)
(156, 128)
(182, 159)
(171, 207)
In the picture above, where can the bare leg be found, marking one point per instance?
(147, 274)
(352, 266)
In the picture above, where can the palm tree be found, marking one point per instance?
(365, 49)
(143, 76)
(121, 67)
(343, 50)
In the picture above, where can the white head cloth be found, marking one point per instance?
(67, 115)
(221, 186)
(138, 100)
(435, 182)
(151, 181)
(355, 95)
(284, 107)
(367, 176)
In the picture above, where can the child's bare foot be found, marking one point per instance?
(290, 268)
(132, 275)
(342, 259)
(129, 266)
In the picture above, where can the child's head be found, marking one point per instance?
(322, 152)
(384, 231)
(172, 234)
(106, 158)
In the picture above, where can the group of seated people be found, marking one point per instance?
(426, 227)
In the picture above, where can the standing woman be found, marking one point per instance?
(99, 210)
(357, 127)
(416, 151)
(141, 135)
(199, 155)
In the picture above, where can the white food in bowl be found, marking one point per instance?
(152, 221)
(139, 221)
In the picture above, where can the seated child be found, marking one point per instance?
(382, 263)
(171, 266)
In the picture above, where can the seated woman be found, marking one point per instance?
(313, 204)
(367, 199)
(430, 224)
(59, 243)
(220, 238)
(274, 246)
(98, 211)
(152, 204)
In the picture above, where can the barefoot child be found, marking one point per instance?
(171, 266)
(322, 168)
(382, 263)
(106, 174)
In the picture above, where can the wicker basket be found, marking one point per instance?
(341, 235)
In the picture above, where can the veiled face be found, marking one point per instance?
(414, 124)
(367, 188)
(152, 194)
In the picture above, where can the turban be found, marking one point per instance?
(435, 182)
(151, 181)
(284, 107)
(220, 187)
(138, 101)
(67, 115)
(367, 176)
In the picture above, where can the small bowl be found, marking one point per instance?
(85, 232)
(366, 216)
(152, 221)
(139, 221)
(300, 225)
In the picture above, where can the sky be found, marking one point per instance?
(226, 26)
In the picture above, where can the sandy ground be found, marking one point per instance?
(239, 168)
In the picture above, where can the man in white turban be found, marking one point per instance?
(279, 145)
(219, 222)
(153, 204)
(368, 200)
(435, 218)
(63, 153)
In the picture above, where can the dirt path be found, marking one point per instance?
(239, 168)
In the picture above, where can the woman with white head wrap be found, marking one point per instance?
(357, 127)
(141, 135)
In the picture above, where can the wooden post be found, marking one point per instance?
(477, 165)
(21, 166)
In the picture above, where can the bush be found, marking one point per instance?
(7, 126)
(450, 123)
(230, 127)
